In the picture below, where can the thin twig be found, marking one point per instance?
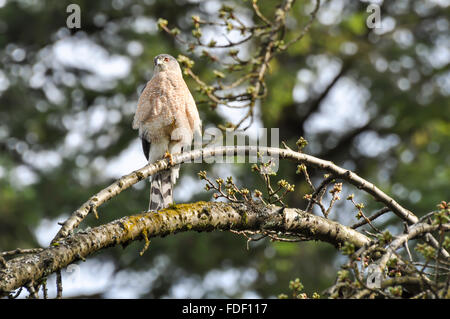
(318, 193)
(371, 218)
(19, 251)
(259, 14)
(59, 286)
(32, 290)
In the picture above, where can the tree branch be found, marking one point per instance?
(413, 232)
(201, 154)
(200, 216)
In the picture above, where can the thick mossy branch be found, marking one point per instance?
(200, 216)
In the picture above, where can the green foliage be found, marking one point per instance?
(348, 248)
(356, 23)
(385, 238)
(297, 287)
(426, 250)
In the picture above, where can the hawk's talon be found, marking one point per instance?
(169, 156)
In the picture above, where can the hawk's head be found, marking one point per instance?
(166, 62)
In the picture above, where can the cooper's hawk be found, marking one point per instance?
(167, 119)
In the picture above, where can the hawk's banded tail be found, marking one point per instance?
(161, 193)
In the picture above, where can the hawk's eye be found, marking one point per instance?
(166, 59)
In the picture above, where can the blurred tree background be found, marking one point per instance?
(375, 101)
